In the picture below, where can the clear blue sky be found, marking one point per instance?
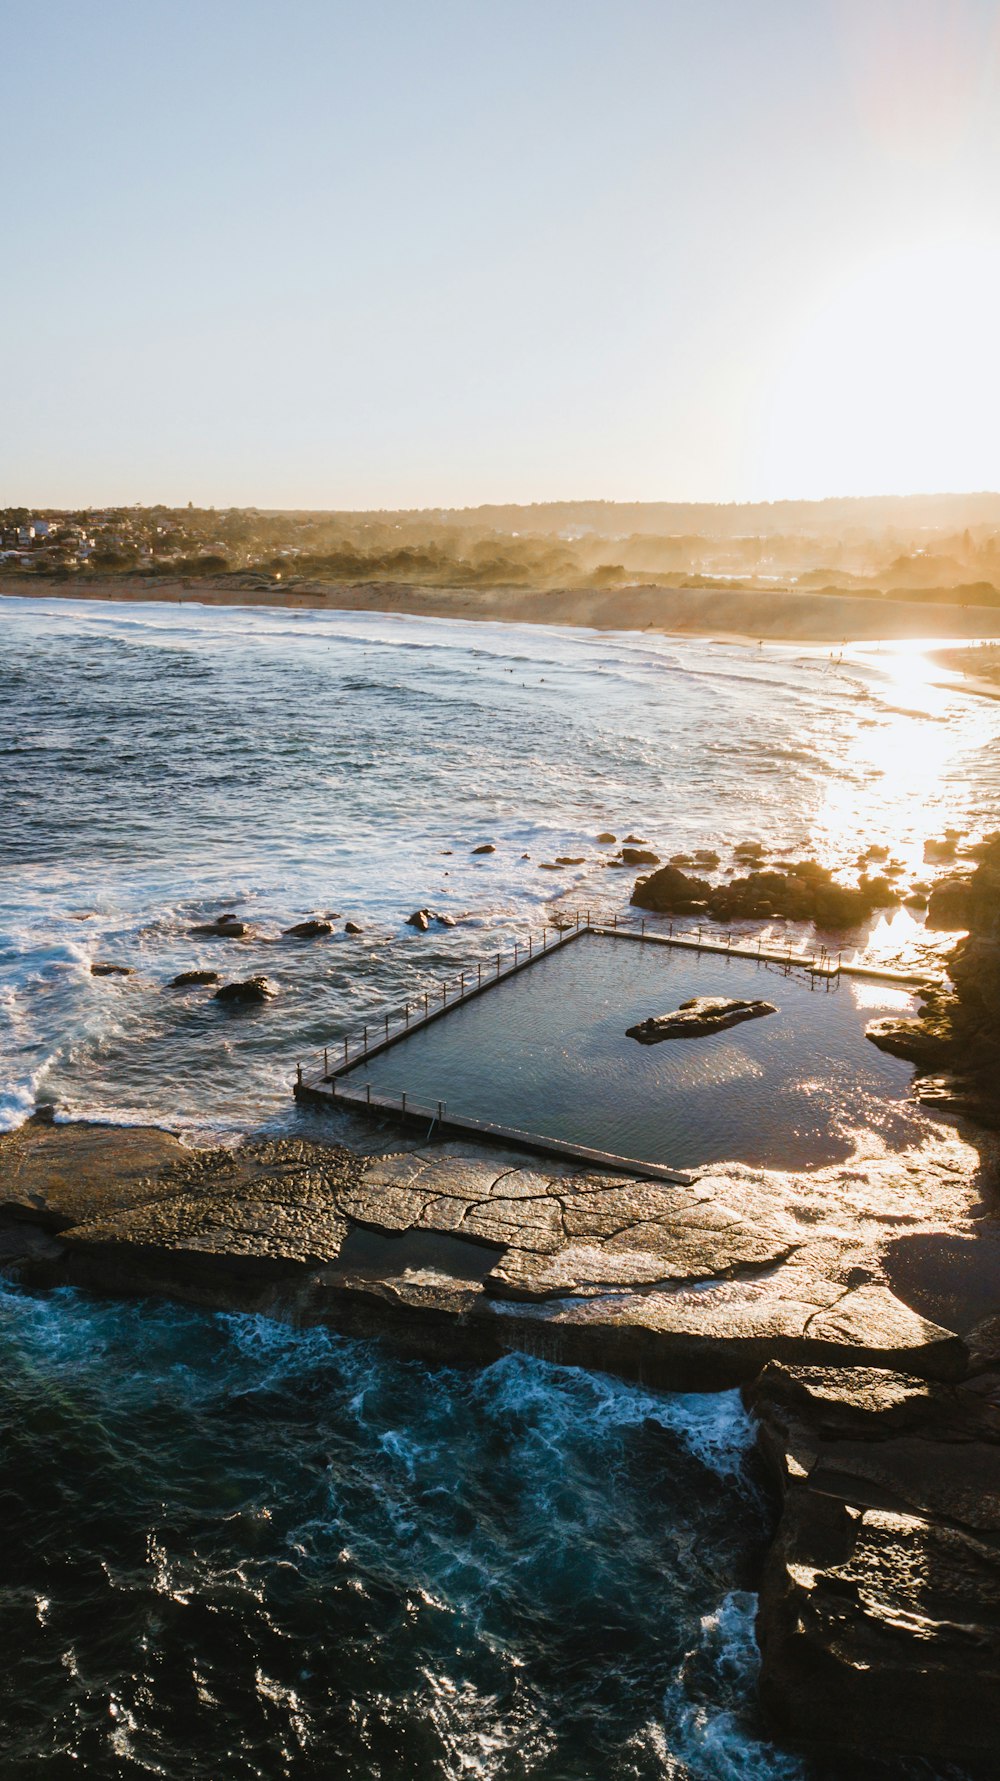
(417, 252)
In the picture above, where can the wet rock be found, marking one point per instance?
(806, 891)
(681, 859)
(748, 852)
(916, 900)
(104, 970)
(670, 891)
(939, 850)
(250, 990)
(485, 847)
(707, 858)
(949, 904)
(606, 839)
(420, 919)
(188, 979)
(959, 1034)
(313, 929)
(639, 856)
(879, 1619)
(353, 927)
(697, 1018)
(225, 927)
(635, 841)
(566, 859)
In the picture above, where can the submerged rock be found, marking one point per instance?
(313, 929)
(606, 839)
(102, 970)
(251, 989)
(484, 847)
(353, 927)
(186, 979)
(698, 1017)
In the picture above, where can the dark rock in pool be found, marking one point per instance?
(111, 970)
(485, 847)
(309, 930)
(697, 1018)
(252, 989)
(186, 979)
(352, 927)
(639, 856)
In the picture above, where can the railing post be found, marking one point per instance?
(642, 930)
(515, 952)
(406, 1013)
(479, 968)
(444, 995)
(326, 1061)
(498, 964)
(345, 1051)
(403, 1101)
(461, 981)
(298, 1074)
(529, 946)
(426, 1003)
(387, 1026)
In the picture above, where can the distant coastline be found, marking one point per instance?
(750, 615)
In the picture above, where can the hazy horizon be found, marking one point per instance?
(346, 259)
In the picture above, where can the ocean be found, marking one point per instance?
(237, 1549)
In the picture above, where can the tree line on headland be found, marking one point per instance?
(941, 548)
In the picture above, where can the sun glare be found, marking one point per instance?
(892, 379)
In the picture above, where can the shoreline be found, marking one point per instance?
(732, 616)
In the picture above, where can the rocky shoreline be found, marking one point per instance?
(871, 1410)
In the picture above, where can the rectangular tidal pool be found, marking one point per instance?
(546, 1052)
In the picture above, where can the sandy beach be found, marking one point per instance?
(777, 616)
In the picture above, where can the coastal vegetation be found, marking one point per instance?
(935, 549)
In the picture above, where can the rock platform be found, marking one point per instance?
(820, 1295)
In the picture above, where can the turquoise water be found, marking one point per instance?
(234, 1549)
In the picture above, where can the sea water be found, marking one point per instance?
(237, 1549)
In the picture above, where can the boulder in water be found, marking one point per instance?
(224, 927)
(639, 856)
(697, 1018)
(312, 929)
(949, 904)
(420, 919)
(187, 979)
(102, 970)
(250, 990)
(352, 927)
(606, 839)
(485, 847)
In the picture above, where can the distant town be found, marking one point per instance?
(944, 547)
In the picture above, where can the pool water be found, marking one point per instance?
(547, 1052)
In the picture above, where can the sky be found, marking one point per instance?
(391, 254)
